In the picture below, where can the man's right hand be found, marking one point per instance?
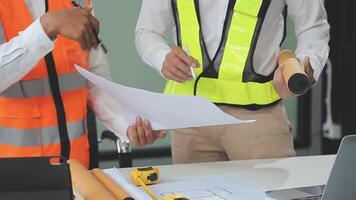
(177, 65)
(73, 23)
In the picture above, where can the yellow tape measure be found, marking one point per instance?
(175, 197)
(149, 176)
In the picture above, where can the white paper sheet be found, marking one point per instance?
(212, 187)
(165, 112)
(127, 185)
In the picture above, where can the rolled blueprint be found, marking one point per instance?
(115, 189)
(293, 73)
(86, 184)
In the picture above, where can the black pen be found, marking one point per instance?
(100, 43)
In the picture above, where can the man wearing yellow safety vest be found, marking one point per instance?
(233, 47)
(43, 99)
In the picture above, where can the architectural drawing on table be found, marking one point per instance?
(208, 194)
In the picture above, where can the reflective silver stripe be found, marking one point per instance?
(41, 87)
(39, 136)
(2, 35)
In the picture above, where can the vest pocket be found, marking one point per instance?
(19, 108)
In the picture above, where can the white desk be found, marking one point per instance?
(271, 174)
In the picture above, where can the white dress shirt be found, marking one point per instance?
(156, 22)
(21, 54)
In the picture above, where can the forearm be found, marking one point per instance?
(109, 112)
(314, 44)
(154, 25)
(99, 65)
(105, 108)
(152, 48)
(21, 54)
(312, 31)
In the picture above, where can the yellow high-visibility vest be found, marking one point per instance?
(229, 77)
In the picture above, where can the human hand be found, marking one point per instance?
(177, 65)
(309, 71)
(140, 133)
(281, 86)
(73, 23)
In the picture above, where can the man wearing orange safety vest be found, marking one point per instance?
(43, 100)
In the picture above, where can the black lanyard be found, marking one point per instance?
(58, 101)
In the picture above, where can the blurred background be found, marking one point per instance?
(306, 113)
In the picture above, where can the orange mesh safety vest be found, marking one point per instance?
(28, 120)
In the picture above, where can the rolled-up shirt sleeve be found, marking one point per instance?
(105, 107)
(21, 54)
(154, 25)
(312, 31)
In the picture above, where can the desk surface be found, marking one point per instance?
(271, 174)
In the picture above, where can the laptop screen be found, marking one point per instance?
(342, 180)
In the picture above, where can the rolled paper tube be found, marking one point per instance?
(86, 184)
(293, 73)
(114, 188)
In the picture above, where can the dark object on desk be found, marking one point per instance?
(35, 178)
(123, 148)
(312, 193)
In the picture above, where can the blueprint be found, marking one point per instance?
(211, 187)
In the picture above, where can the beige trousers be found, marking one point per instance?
(269, 137)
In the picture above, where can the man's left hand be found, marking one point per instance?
(281, 86)
(140, 133)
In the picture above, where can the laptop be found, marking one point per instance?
(341, 184)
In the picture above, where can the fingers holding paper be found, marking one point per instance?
(140, 133)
